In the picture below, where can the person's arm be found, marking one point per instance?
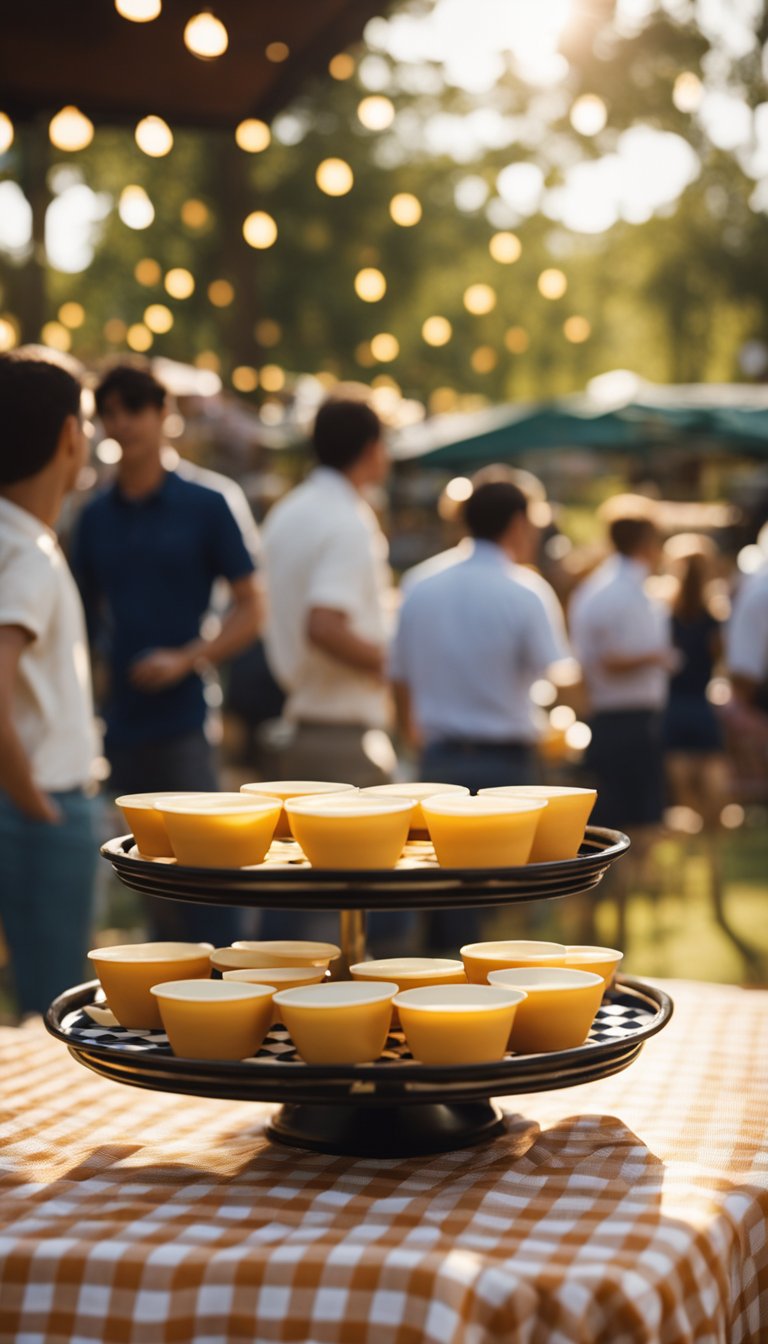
(16, 778)
(330, 630)
(632, 662)
(240, 627)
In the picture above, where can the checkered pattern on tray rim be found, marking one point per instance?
(618, 1018)
(628, 1211)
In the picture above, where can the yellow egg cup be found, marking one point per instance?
(129, 971)
(219, 830)
(458, 1024)
(278, 977)
(561, 826)
(349, 831)
(481, 958)
(286, 952)
(411, 973)
(604, 961)
(345, 1022)
(559, 1010)
(214, 1019)
(293, 788)
(417, 792)
(473, 832)
(146, 823)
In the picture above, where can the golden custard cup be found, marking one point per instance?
(473, 832)
(345, 1022)
(458, 1024)
(293, 788)
(604, 961)
(285, 952)
(481, 958)
(213, 1019)
(561, 826)
(559, 1010)
(219, 830)
(129, 971)
(147, 824)
(411, 973)
(417, 792)
(278, 977)
(350, 831)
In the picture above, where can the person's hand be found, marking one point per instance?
(45, 810)
(161, 668)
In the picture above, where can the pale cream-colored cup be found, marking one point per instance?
(604, 961)
(211, 1019)
(417, 792)
(411, 973)
(283, 952)
(293, 788)
(560, 830)
(350, 831)
(559, 1010)
(219, 830)
(474, 832)
(345, 1022)
(458, 1024)
(128, 972)
(481, 958)
(147, 824)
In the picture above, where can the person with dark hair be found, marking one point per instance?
(327, 576)
(470, 642)
(622, 639)
(47, 743)
(146, 553)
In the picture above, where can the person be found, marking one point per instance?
(747, 663)
(325, 562)
(622, 638)
(470, 642)
(146, 552)
(48, 850)
(691, 728)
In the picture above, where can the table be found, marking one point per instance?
(628, 1211)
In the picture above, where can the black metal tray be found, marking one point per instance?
(396, 1106)
(286, 880)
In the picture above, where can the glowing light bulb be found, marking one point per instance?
(517, 340)
(70, 130)
(135, 208)
(180, 283)
(139, 337)
(370, 285)
(158, 318)
(577, 329)
(505, 248)
(6, 132)
(244, 378)
(436, 331)
(376, 113)
(259, 229)
(206, 37)
(589, 114)
(334, 177)
(277, 52)
(253, 135)
(385, 347)
(552, 284)
(148, 272)
(479, 299)
(139, 11)
(56, 336)
(484, 359)
(405, 209)
(8, 332)
(688, 92)
(72, 314)
(341, 66)
(221, 293)
(154, 137)
(195, 214)
(272, 378)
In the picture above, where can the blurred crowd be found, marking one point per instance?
(335, 672)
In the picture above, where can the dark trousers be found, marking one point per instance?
(626, 761)
(46, 897)
(185, 763)
(476, 765)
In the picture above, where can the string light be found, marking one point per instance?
(552, 284)
(577, 329)
(268, 332)
(436, 331)
(8, 332)
(208, 360)
(341, 66)
(70, 130)
(180, 283)
(589, 114)
(405, 209)
(259, 229)
(195, 214)
(72, 314)
(206, 37)
(148, 272)
(484, 359)
(370, 285)
(334, 177)
(114, 330)
(158, 318)
(244, 378)
(56, 336)
(221, 293)
(517, 340)
(442, 400)
(364, 355)
(139, 337)
(376, 112)
(135, 208)
(253, 135)
(6, 132)
(479, 299)
(154, 137)
(277, 52)
(385, 347)
(272, 378)
(688, 92)
(138, 11)
(505, 248)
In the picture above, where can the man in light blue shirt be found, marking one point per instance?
(471, 641)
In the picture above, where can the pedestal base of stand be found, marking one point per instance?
(387, 1131)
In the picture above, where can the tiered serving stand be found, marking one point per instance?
(395, 1106)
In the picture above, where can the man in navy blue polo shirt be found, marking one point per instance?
(146, 554)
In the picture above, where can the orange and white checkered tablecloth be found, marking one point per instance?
(629, 1211)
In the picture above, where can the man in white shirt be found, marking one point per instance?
(747, 642)
(47, 840)
(325, 563)
(622, 639)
